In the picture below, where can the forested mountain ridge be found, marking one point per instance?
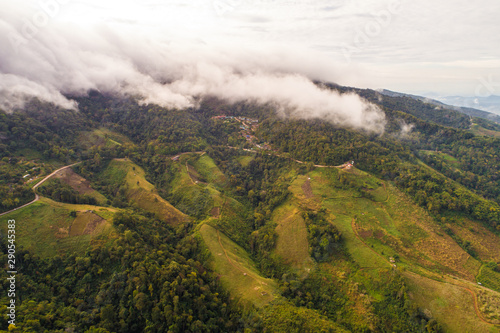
(334, 247)
(466, 110)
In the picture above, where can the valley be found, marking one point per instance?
(286, 225)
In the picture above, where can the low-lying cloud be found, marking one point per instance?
(167, 69)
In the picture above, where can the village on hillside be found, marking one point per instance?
(248, 127)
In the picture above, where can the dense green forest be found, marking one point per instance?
(154, 275)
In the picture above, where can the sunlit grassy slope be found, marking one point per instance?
(237, 270)
(140, 192)
(102, 137)
(383, 230)
(46, 227)
(391, 227)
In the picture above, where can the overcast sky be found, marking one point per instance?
(444, 46)
(450, 47)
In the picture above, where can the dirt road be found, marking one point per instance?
(40, 183)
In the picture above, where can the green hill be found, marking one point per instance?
(189, 233)
(139, 192)
(64, 228)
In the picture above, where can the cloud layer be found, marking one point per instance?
(45, 56)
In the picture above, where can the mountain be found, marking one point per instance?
(232, 217)
(461, 104)
(490, 103)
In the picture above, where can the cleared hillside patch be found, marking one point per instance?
(102, 137)
(142, 193)
(473, 266)
(429, 245)
(245, 160)
(86, 223)
(451, 305)
(489, 278)
(362, 253)
(292, 244)
(207, 168)
(489, 304)
(237, 271)
(44, 228)
(395, 226)
(479, 130)
(79, 184)
(303, 188)
(485, 243)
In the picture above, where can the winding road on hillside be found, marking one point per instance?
(282, 156)
(37, 197)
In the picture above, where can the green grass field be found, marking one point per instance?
(45, 227)
(396, 226)
(102, 137)
(140, 192)
(207, 168)
(473, 266)
(192, 189)
(292, 244)
(452, 306)
(284, 317)
(237, 270)
(479, 130)
(443, 157)
(489, 278)
(245, 160)
(375, 230)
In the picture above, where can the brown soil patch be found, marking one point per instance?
(93, 224)
(85, 223)
(78, 183)
(61, 232)
(307, 189)
(215, 212)
(193, 174)
(365, 233)
(379, 234)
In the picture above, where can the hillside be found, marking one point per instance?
(466, 110)
(50, 228)
(137, 191)
(231, 218)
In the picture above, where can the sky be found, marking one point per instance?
(169, 52)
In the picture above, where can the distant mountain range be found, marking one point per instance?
(490, 103)
(460, 104)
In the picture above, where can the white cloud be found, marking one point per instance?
(171, 51)
(163, 63)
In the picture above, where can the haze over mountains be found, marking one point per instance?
(490, 103)
(453, 104)
(172, 53)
